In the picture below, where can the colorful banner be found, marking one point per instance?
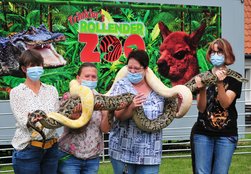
(175, 37)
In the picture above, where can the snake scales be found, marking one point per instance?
(172, 104)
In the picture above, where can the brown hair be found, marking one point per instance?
(141, 56)
(31, 57)
(86, 64)
(225, 47)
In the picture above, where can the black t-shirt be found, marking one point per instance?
(216, 121)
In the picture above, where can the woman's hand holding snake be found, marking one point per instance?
(76, 113)
(138, 100)
(35, 118)
(221, 74)
(199, 83)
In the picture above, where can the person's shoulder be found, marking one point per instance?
(234, 73)
(124, 80)
(122, 83)
(49, 87)
(17, 89)
(234, 76)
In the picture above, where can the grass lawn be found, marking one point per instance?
(240, 164)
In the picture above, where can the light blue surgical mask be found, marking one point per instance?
(90, 84)
(217, 60)
(34, 73)
(135, 77)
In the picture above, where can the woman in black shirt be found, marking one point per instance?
(214, 135)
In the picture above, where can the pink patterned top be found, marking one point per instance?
(85, 142)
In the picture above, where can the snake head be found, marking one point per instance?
(36, 116)
(33, 121)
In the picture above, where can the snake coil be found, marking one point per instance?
(89, 102)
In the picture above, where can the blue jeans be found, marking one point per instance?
(35, 160)
(119, 167)
(213, 155)
(68, 164)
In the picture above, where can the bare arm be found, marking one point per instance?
(225, 97)
(124, 114)
(202, 100)
(201, 96)
(105, 126)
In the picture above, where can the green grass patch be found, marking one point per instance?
(240, 164)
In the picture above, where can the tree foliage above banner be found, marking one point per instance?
(64, 17)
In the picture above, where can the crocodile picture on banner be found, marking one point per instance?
(39, 38)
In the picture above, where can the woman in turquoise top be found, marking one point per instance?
(132, 150)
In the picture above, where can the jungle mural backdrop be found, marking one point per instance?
(68, 33)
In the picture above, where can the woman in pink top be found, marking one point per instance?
(80, 148)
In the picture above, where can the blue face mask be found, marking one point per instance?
(34, 73)
(135, 77)
(217, 60)
(90, 84)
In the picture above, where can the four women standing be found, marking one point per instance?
(214, 135)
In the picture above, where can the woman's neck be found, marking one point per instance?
(34, 86)
(142, 87)
(215, 68)
(141, 83)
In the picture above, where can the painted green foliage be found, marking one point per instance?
(176, 18)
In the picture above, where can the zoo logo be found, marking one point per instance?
(110, 45)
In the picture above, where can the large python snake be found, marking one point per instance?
(209, 79)
(171, 104)
(178, 100)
